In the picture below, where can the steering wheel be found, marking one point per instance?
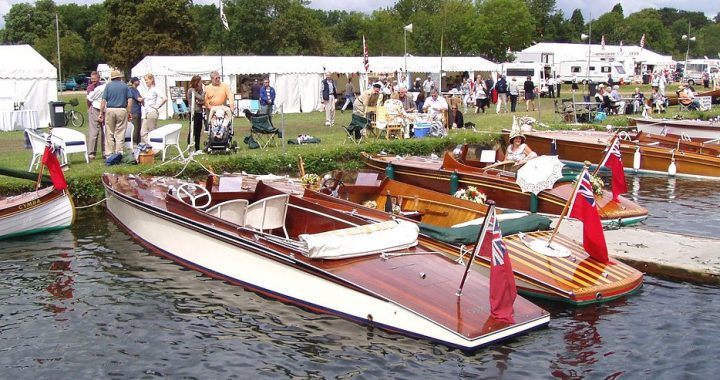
(623, 135)
(194, 192)
(335, 186)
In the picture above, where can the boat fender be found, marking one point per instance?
(454, 182)
(553, 147)
(636, 159)
(672, 168)
(390, 171)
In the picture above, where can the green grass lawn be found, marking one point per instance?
(332, 153)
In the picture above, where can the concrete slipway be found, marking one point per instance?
(679, 257)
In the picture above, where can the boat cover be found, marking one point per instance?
(468, 234)
(363, 240)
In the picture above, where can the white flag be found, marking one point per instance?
(223, 19)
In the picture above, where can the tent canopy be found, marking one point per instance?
(25, 77)
(296, 78)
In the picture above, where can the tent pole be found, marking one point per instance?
(57, 36)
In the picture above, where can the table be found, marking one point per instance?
(18, 120)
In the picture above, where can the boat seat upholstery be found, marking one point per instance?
(389, 236)
(268, 213)
(232, 211)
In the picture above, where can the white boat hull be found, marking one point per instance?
(241, 262)
(38, 215)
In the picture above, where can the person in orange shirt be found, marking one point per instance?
(218, 93)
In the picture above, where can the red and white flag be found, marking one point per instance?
(366, 59)
(642, 42)
(56, 175)
(584, 209)
(503, 290)
(602, 42)
(613, 160)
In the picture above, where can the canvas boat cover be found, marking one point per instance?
(363, 240)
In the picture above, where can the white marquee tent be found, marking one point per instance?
(296, 79)
(27, 77)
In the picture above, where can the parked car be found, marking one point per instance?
(69, 85)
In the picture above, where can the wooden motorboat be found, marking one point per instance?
(695, 130)
(46, 209)
(577, 278)
(310, 256)
(499, 185)
(713, 94)
(644, 153)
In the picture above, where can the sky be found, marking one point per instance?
(589, 7)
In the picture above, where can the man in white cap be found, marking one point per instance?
(328, 93)
(115, 111)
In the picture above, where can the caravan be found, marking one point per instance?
(538, 72)
(597, 73)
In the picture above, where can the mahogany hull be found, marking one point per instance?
(589, 145)
(576, 279)
(386, 292)
(499, 187)
(714, 94)
(695, 129)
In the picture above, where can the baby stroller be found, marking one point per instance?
(220, 130)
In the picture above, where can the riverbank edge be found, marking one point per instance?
(678, 257)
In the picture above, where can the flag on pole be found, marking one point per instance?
(613, 160)
(223, 19)
(502, 280)
(366, 59)
(642, 42)
(56, 175)
(602, 42)
(584, 209)
(621, 46)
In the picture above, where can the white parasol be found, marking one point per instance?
(539, 174)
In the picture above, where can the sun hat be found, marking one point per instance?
(115, 74)
(516, 133)
(377, 85)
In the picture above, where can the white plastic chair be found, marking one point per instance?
(38, 142)
(233, 211)
(164, 137)
(129, 135)
(268, 213)
(71, 141)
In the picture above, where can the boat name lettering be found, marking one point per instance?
(32, 203)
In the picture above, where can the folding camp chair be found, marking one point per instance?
(357, 129)
(263, 131)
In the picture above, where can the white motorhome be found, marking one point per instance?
(597, 73)
(697, 67)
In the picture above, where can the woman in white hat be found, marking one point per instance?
(518, 151)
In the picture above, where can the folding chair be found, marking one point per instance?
(358, 125)
(262, 131)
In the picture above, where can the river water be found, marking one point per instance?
(89, 302)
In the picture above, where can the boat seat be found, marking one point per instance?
(268, 213)
(388, 236)
(232, 211)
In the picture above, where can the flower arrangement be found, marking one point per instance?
(597, 184)
(471, 193)
(310, 180)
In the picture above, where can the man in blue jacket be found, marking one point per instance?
(328, 92)
(267, 98)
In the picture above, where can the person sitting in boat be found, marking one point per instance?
(518, 152)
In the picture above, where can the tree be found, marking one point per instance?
(648, 22)
(618, 9)
(607, 25)
(497, 33)
(709, 41)
(577, 22)
(25, 23)
(130, 30)
(72, 51)
(542, 11)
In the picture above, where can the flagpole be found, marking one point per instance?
(478, 244)
(602, 162)
(567, 204)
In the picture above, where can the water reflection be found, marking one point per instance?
(61, 287)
